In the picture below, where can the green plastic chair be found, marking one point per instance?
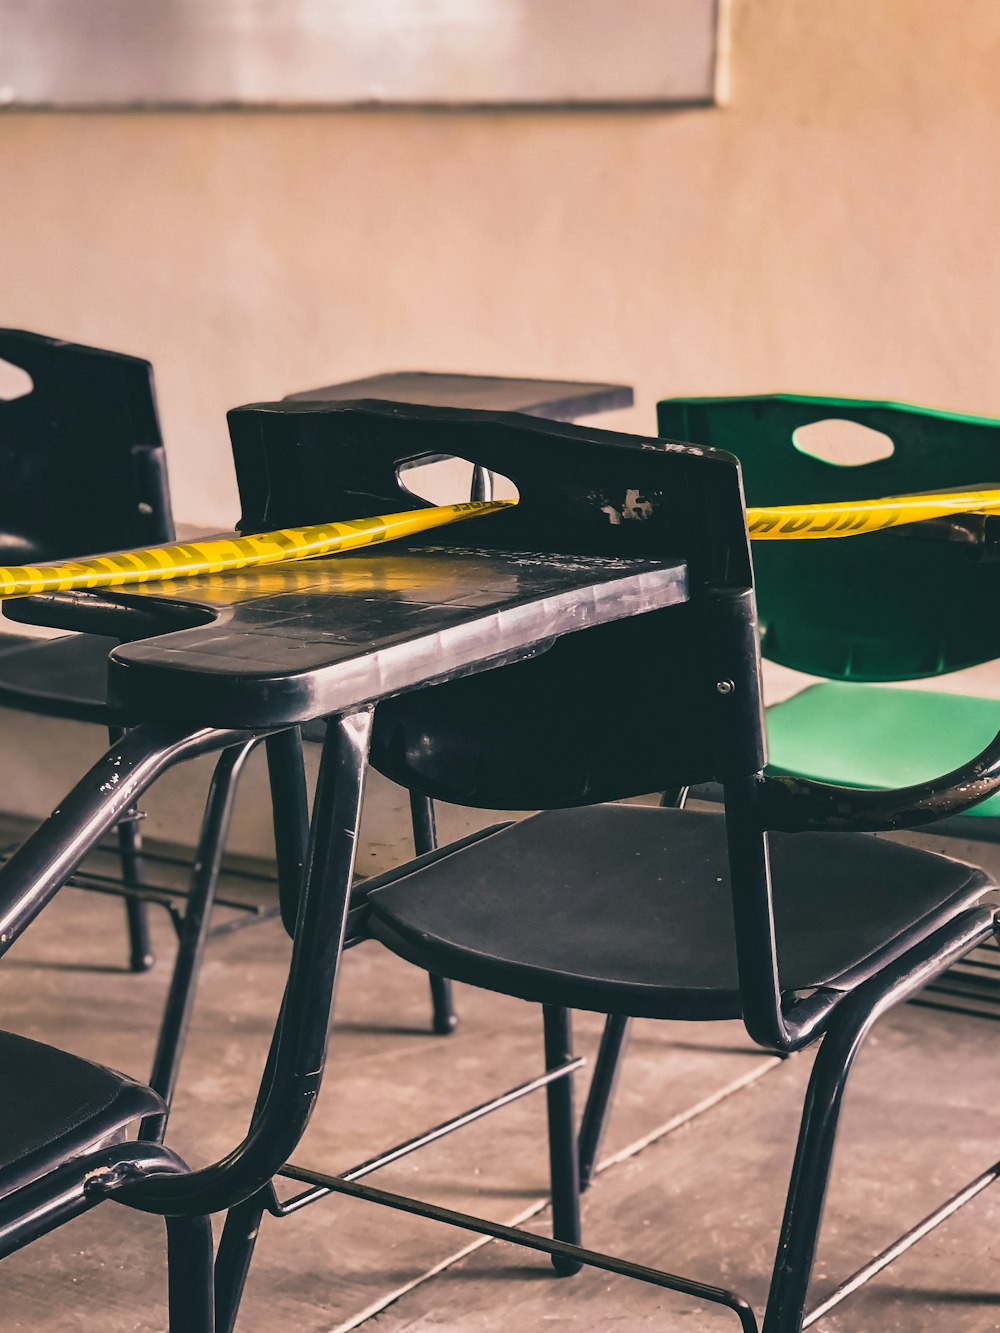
(877, 608)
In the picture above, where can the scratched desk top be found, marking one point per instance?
(297, 641)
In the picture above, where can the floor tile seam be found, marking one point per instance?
(692, 1113)
(382, 1303)
(421, 1045)
(418, 1043)
(541, 1205)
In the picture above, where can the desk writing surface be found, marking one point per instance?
(558, 400)
(301, 640)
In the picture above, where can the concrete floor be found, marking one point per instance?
(697, 1157)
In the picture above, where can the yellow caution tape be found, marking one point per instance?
(855, 517)
(183, 559)
(212, 557)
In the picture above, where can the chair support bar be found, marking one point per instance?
(298, 1053)
(516, 1236)
(319, 1180)
(43, 864)
(794, 805)
(906, 1241)
(855, 1018)
(859, 1010)
(157, 895)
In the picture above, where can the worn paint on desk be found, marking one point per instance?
(306, 639)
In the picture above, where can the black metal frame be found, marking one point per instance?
(143, 1174)
(444, 1020)
(148, 1177)
(194, 931)
(193, 926)
(844, 1022)
(167, 895)
(329, 913)
(851, 1019)
(243, 1220)
(28, 880)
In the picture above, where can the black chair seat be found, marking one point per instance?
(55, 1106)
(11, 642)
(65, 677)
(627, 909)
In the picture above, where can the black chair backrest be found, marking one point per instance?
(627, 708)
(81, 459)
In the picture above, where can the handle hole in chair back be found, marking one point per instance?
(442, 480)
(81, 459)
(842, 443)
(15, 382)
(880, 607)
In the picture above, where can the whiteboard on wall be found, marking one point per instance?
(360, 53)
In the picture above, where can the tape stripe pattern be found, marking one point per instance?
(158, 563)
(186, 558)
(853, 518)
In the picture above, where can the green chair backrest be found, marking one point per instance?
(874, 608)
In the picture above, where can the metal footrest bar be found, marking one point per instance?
(158, 858)
(248, 918)
(967, 988)
(168, 896)
(973, 998)
(981, 965)
(529, 1240)
(946, 1008)
(165, 859)
(318, 1180)
(94, 882)
(970, 987)
(905, 1242)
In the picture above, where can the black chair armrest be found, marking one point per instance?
(794, 805)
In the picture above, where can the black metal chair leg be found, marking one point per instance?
(141, 957)
(848, 1028)
(807, 1191)
(239, 1237)
(242, 1225)
(299, 1041)
(607, 1067)
(190, 1275)
(194, 932)
(444, 1020)
(563, 1161)
(286, 775)
(140, 953)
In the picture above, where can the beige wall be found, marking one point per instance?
(833, 228)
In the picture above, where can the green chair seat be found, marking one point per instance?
(876, 737)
